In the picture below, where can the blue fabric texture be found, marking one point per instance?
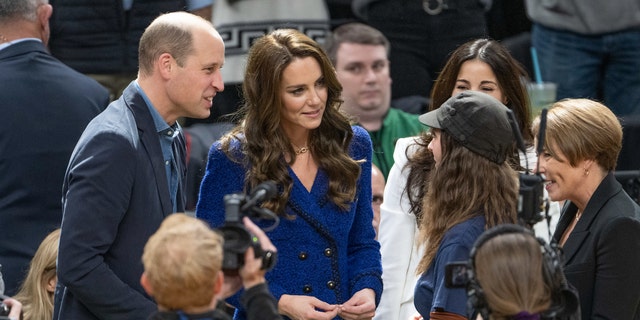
(323, 252)
(431, 294)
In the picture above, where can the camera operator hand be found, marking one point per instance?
(251, 272)
(15, 308)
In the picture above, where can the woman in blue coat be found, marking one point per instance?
(293, 133)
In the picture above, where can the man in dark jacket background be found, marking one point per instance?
(46, 106)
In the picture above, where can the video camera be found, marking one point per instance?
(237, 239)
(4, 309)
(531, 204)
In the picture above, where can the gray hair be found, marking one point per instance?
(19, 9)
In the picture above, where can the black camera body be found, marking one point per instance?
(4, 309)
(531, 204)
(237, 239)
(530, 200)
(457, 274)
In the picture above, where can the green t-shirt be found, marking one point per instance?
(397, 124)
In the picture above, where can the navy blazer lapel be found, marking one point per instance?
(605, 191)
(151, 143)
(568, 212)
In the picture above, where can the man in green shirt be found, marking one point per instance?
(360, 56)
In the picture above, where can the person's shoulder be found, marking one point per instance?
(115, 121)
(360, 134)
(228, 145)
(404, 143)
(57, 75)
(403, 120)
(359, 130)
(466, 232)
(84, 84)
(402, 114)
(361, 142)
(613, 200)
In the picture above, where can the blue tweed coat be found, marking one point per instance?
(323, 252)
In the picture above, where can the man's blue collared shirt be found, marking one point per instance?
(167, 135)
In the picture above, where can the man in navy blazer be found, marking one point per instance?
(46, 106)
(128, 170)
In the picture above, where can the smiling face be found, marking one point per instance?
(304, 96)
(478, 76)
(562, 181)
(363, 71)
(193, 85)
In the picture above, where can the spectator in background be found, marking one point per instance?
(590, 49)
(36, 292)
(46, 106)
(422, 34)
(360, 56)
(240, 23)
(340, 12)
(127, 172)
(196, 289)
(100, 38)
(377, 193)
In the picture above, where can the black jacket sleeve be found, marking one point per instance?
(260, 304)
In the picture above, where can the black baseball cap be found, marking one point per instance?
(477, 121)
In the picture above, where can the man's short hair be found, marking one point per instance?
(169, 33)
(25, 9)
(181, 261)
(354, 32)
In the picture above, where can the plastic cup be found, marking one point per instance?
(541, 95)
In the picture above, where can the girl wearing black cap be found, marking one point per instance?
(471, 188)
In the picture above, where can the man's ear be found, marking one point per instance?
(165, 63)
(144, 281)
(43, 13)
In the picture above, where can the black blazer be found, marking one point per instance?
(115, 196)
(45, 107)
(602, 254)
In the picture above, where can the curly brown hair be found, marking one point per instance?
(265, 143)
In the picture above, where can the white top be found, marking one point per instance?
(398, 232)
